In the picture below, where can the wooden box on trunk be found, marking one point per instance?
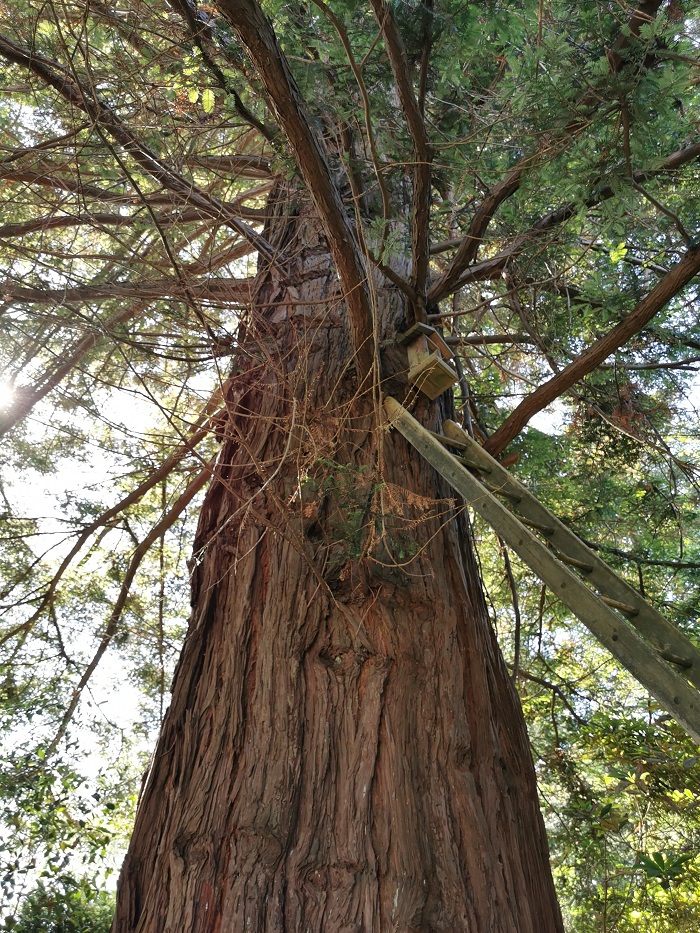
(428, 370)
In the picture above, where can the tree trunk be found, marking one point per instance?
(344, 750)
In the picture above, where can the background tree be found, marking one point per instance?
(231, 226)
(75, 910)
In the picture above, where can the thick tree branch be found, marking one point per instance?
(658, 297)
(242, 166)
(638, 559)
(59, 222)
(234, 291)
(427, 42)
(255, 32)
(422, 154)
(477, 340)
(51, 176)
(642, 14)
(64, 221)
(672, 364)
(48, 177)
(455, 275)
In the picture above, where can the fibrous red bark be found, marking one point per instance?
(344, 749)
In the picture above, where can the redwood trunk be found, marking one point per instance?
(344, 750)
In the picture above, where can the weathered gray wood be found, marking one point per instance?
(651, 624)
(673, 692)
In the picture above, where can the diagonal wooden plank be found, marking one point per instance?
(674, 693)
(671, 643)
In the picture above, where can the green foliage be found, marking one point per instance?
(61, 830)
(73, 907)
(349, 494)
(665, 869)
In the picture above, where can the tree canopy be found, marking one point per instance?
(527, 175)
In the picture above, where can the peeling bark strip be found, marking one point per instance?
(657, 299)
(255, 32)
(344, 750)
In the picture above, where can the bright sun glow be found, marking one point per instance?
(7, 394)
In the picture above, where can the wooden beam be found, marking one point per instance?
(674, 693)
(664, 636)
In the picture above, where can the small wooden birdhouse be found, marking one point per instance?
(428, 370)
